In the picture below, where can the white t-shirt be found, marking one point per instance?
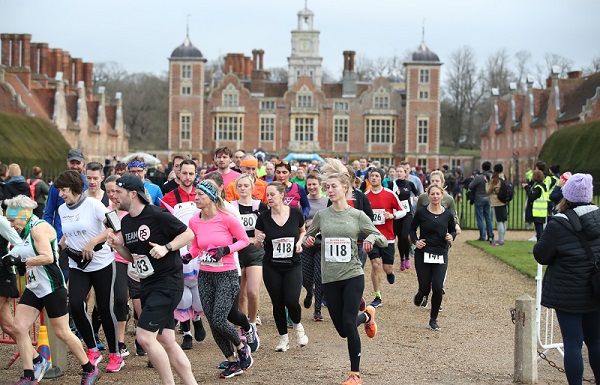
(81, 224)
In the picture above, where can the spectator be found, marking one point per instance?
(40, 189)
(482, 203)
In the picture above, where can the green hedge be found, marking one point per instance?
(575, 148)
(32, 142)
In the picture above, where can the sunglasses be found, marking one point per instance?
(281, 162)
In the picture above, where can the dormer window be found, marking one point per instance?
(304, 98)
(230, 96)
(381, 100)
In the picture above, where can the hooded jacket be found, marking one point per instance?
(567, 284)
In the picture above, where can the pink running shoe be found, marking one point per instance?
(407, 264)
(94, 357)
(403, 265)
(115, 363)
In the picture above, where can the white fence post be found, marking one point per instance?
(525, 341)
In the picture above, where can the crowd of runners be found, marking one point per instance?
(193, 243)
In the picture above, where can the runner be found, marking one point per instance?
(45, 289)
(215, 229)
(137, 166)
(386, 208)
(281, 230)
(250, 257)
(407, 194)
(173, 183)
(248, 165)
(311, 256)
(223, 158)
(343, 277)
(436, 234)
(151, 237)
(91, 264)
(295, 195)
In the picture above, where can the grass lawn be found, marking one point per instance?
(514, 253)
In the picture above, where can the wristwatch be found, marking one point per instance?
(169, 247)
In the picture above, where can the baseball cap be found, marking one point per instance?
(133, 183)
(75, 154)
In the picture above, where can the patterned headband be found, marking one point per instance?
(136, 163)
(209, 190)
(18, 213)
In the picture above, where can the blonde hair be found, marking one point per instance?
(245, 176)
(439, 173)
(21, 201)
(435, 185)
(14, 170)
(334, 168)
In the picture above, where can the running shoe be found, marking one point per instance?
(245, 357)
(499, 243)
(25, 381)
(123, 349)
(370, 325)
(354, 379)
(441, 310)
(424, 303)
(324, 302)
(199, 331)
(418, 300)
(363, 304)
(433, 325)
(533, 239)
(318, 317)
(402, 265)
(376, 302)
(41, 368)
(258, 321)
(284, 344)
(115, 363)
(139, 350)
(94, 356)
(407, 264)
(301, 337)
(233, 369)
(253, 335)
(187, 342)
(308, 299)
(223, 365)
(248, 334)
(90, 378)
(149, 364)
(99, 344)
(391, 277)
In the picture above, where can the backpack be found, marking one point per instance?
(32, 187)
(506, 192)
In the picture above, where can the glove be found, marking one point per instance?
(219, 252)
(186, 258)
(9, 260)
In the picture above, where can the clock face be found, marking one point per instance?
(305, 45)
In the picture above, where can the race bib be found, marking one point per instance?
(249, 221)
(132, 272)
(142, 265)
(338, 249)
(32, 280)
(405, 204)
(283, 247)
(378, 216)
(434, 258)
(207, 260)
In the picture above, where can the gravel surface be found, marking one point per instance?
(475, 345)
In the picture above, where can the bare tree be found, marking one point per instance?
(364, 68)
(279, 74)
(522, 67)
(497, 73)
(594, 66)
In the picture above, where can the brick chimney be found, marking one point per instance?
(254, 59)
(261, 54)
(67, 68)
(88, 77)
(77, 64)
(574, 74)
(34, 58)
(5, 38)
(44, 58)
(26, 50)
(16, 50)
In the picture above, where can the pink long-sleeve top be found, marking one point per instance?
(218, 232)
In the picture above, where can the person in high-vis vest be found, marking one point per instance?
(538, 196)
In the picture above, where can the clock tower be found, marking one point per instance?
(305, 59)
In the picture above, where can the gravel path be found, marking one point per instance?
(475, 345)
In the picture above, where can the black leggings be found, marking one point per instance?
(431, 275)
(235, 316)
(343, 301)
(121, 294)
(80, 283)
(401, 227)
(284, 285)
(311, 273)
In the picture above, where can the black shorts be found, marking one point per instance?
(158, 306)
(8, 284)
(385, 253)
(135, 288)
(501, 213)
(55, 302)
(251, 256)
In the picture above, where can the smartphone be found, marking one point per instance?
(113, 221)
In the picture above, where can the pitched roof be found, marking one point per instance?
(574, 95)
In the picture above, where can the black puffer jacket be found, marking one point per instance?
(567, 283)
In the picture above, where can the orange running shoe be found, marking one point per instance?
(354, 379)
(370, 325)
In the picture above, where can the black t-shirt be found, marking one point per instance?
(250, 216)
(156, 225)
(280, 249)
(169, 186)
(433, 229)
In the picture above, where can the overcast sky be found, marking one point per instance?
(140, 35)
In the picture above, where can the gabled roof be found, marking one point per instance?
(574, 95)
(540, 107)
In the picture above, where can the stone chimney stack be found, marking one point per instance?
(5, 38)
(349, 78)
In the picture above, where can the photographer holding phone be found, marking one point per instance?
(91, 264)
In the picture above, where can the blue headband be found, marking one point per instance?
(209, 190)
(136, 163)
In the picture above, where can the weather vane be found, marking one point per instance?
(187, 27)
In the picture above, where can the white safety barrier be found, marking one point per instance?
(545, 337)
